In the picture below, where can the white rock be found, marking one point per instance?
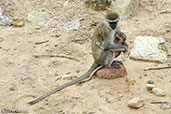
(149, 48)
(126, 8)
(67, 76)
(72, 25)
(158, 92)
(136, 102)
(37, 17)
(150, 86)
(4, 20)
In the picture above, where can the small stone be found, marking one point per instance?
(69, 76)
(37, 17)
(107, 99)
(111, 73)
(150, 82)
(158, 92)
(131, 82)
(145, 75)
(12, 89)
(166, 106)
(18, 23)
(136, 102)
(150, 86)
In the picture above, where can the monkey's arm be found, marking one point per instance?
(117, 47)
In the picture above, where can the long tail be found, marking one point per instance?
(91, 69)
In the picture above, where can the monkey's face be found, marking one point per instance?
(112, 19)
(113, 25)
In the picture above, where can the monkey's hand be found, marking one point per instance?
(100, 45)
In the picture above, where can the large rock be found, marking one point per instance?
(126, 8)
(149, 48)
(111, 73)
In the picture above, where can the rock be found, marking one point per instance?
(65, 76)
(18, 23)
(107, 98)
(126, 8)
(111, 73)
(136, 102)
(37, 17)
(72, 25)
(11, 89)
(4, 20)
(98, 4)
(150, 86)
(131, 82)
(149, 48)
(158, 92)
(166, 106)
(150, 82)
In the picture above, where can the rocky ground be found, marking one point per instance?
(27, 70)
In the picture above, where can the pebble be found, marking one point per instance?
(136, 102)
(18, 23)
(11, 89)
(158, 92)
(131, 82)
(166, 106)
(150, 82)
(69, 76)
(150, 86)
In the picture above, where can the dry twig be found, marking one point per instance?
(61, 56)
(158, 102)
(158, 68)
(42, 42)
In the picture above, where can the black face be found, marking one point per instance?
(113, 25)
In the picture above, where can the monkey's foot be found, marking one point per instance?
(116, 64)
(117, 61)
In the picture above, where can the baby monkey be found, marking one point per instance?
(104, 50)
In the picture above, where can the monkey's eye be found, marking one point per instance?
(113, 24)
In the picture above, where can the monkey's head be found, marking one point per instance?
(120, 37)
(112, 19)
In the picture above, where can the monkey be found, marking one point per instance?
(120, 39)
(105, 34)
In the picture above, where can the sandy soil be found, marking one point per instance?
(24, 77)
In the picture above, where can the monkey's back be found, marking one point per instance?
(98, 36)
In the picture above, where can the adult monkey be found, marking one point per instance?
(103, 57)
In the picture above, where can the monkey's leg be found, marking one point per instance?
(116, 64)
(106, 58)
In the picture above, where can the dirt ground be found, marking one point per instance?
(23, 77)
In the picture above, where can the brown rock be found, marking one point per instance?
(111, 73)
